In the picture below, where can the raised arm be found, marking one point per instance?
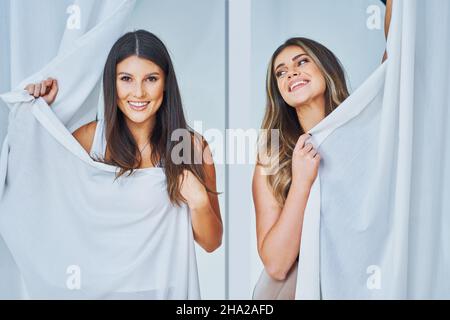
(48, 90)
(387, 23)
(387, 18)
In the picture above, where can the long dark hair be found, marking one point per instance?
(121, 145)
(281, 116)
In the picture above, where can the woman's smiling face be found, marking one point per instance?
(140, 88)
(299, 79)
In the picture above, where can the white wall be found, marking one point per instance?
(4, 65)
(239, 175)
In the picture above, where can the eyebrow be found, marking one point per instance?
(293, 59)
(147, 75)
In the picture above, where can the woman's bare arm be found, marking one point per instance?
(204, 206)
(48, 90)
(85, 135)
(387, 23)
(279, 228)
(387, 18)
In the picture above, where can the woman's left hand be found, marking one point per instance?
(194, 191)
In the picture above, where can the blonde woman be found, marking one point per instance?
(305, 83)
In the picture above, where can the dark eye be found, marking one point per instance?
(125, 78)
(303, 61)
(280, 73)
(152, 79)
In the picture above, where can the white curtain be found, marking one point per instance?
(51, 58)
(75, 231)
(376, 224)
(39, 38)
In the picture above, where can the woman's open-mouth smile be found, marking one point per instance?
(138, 105)
(295, 85)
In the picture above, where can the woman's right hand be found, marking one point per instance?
(305, 162)
(47, 89)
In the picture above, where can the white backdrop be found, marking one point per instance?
(255, 29)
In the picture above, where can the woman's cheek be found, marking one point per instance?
(121, 91)
(281, 87)
(323, 86)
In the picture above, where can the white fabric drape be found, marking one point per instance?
(63, 217)
(376, 225)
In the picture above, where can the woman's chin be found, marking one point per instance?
(301, 101)
(137, 118)
(298, 103)
(298, 100)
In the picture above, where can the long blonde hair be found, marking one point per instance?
(279, 115)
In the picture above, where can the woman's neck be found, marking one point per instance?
(309, 115)
(141, 131)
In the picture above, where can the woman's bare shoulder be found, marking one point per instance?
(85, 135)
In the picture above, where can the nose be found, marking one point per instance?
(139, 92)
(293, 74)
